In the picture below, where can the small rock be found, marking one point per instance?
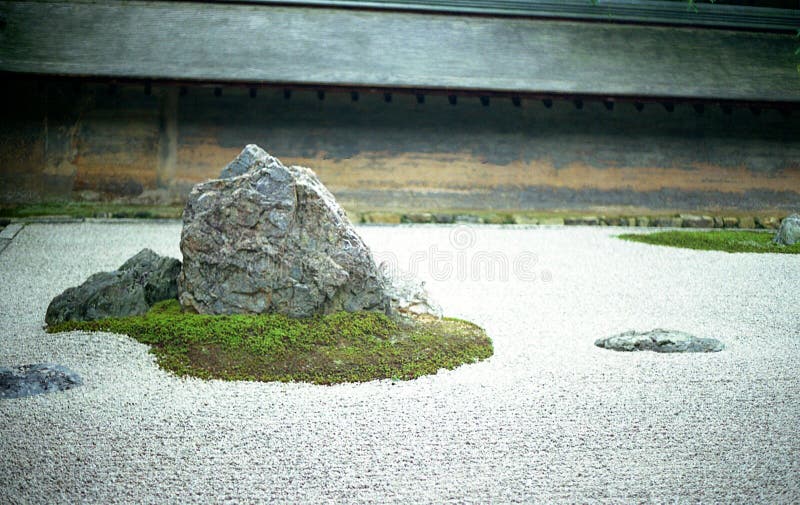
(789, 231)
(143, 280)
(767, 223)
(659, 340)
(381, 217)
(582, 221)
(747, 223)
(407, 295)
(524, 219)
(443, 218)
(692, 221)
(643, 221)
(667, 222)
(467, 219)
(719, 222)
(497, 219)
(29, 380)
(422, 217)
(730, 222)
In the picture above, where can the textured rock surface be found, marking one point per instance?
(273, 239)
(659, 340)
(789, 231)
(407, 294)
(251, 156)
(143, 280)
(29, 380)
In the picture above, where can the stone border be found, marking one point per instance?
(667, 221)
(747, 222)
(8, 233)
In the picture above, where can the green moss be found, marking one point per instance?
(722, 240)
(92, 209)
(341, 347)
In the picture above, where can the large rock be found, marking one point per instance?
(659, 340)
(271, 238)
(143, 280)
(29, 380)
(789, 231)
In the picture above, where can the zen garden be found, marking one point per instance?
(454, 254)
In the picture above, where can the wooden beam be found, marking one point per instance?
(628, 11)
(312, 46)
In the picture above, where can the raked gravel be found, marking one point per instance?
(549, 418)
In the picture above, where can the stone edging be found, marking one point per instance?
(8, 233)
(520, 218)
(673, 221)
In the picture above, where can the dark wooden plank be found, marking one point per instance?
(636, 11)
(260, 43)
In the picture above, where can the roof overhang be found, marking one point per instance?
(680, 13)
(275, 44)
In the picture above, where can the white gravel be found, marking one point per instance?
(550, 418)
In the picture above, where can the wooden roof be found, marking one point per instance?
(671, 12)
(264, 43)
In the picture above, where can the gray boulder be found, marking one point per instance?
(273, 239)
(143, 280)
(789, 231)
(29, 380)
(660, 340)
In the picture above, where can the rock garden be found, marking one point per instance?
(275, 285)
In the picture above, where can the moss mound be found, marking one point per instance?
(341, 347)
(723, 240)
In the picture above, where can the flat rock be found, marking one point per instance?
(270, 238)
(659, 340)
(132, 289)
(789, 231)
(29, 380)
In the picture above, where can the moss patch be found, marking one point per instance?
(341, 347)
(92, 209)
(723, 240)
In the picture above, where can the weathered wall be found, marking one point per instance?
(57, 139)
(60, 141)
